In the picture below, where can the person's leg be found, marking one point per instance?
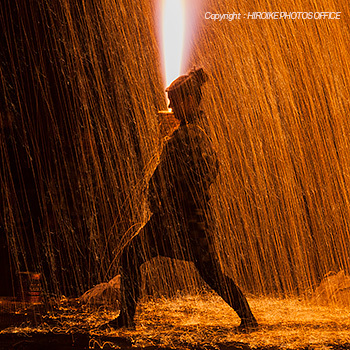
(210, 270)
(140, 249)
(152, 241)
(130, 264)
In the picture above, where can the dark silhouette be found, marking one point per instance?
(178, 198)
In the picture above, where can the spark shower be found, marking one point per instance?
(81, 84)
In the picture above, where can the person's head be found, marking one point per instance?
(185, 94)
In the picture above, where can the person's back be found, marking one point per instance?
(188, 166)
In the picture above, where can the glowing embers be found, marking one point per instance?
(196, 321)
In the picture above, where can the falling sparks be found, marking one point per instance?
(82, 98)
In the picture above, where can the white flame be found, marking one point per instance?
(173, 28)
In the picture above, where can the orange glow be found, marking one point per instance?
(173, 24)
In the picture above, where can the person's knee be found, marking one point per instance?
(209, 272)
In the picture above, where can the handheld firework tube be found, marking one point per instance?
(167, 123)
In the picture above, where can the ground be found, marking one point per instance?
(200, 321)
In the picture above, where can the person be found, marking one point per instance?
(179, 196)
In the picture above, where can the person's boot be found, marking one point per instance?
(117, 323)
(248, 324)
(122, 321)
(248, 321)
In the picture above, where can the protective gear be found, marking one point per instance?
(187, 168)
(189, 84)
(180, 226)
